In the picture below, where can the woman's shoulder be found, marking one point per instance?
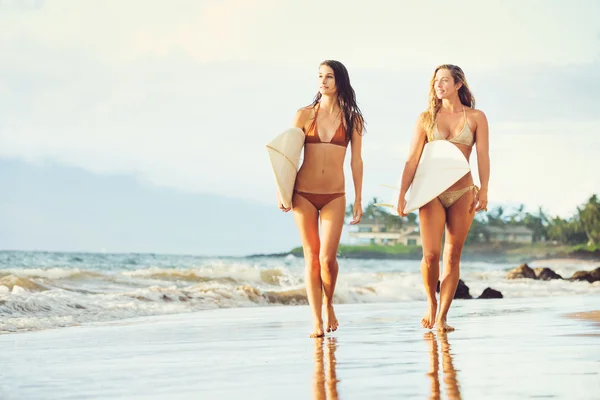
(476, 119)
(475, 113)
(423, 119)
(308, 110)
(423, 116)
(303, 115)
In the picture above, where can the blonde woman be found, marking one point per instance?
(451, 116)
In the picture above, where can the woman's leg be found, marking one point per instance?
(459, 219)
(432, 218)
(307, 220)
(332, 222)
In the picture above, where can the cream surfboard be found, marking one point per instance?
(441, 165)
(284, 153)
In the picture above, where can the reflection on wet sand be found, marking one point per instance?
(324, 379)
(450, 381)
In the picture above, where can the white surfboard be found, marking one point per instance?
(284, 153)
(441, 165)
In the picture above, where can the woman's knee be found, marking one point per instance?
(328, 261)
(431, 258)
(311, 257)
(452, 254)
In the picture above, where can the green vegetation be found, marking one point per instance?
(583, 229)
(512, 252)
(396, 249)
(577, 236)
(372, 212)
(373, 251)
(480, 251)
(585, 247)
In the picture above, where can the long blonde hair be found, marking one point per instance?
(464, 94)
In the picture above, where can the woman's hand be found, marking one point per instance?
(356, 213)
(481, 200)
(401, 206)
(280, 204)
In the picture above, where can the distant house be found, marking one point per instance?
(375, 231)
(509, 234)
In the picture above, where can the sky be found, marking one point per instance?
(180, 98)
(67, 209)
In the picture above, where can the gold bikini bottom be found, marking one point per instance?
(449, 198)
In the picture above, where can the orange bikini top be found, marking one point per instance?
(339, 137)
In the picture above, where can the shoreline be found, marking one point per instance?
(33, 295)
(487, 257)
(486, 252)
(590, 316)
(470, 253)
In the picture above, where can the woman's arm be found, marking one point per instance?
(410, 167)
(356, 163)
(299, 121)
(483, 159)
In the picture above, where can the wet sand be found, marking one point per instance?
(593, 316)
(505, 349)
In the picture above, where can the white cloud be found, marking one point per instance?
(185, 94)
(381, 34)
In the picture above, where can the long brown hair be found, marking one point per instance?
(346, 98)
(464, 94)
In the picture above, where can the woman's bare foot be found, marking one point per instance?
(428, 320)
(318, 331)
(331, 322)
(443, 326)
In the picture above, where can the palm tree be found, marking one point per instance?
(494, 217)
(518, 216)
(589, 220)
(373, 212)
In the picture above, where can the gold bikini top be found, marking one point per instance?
(464, 137)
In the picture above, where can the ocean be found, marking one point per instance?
(43, 290)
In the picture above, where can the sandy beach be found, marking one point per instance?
(593, 316)
(508, 348)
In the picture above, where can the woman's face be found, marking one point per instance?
(326, 80)
(444, 84)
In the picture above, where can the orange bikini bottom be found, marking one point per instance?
(319, 200)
